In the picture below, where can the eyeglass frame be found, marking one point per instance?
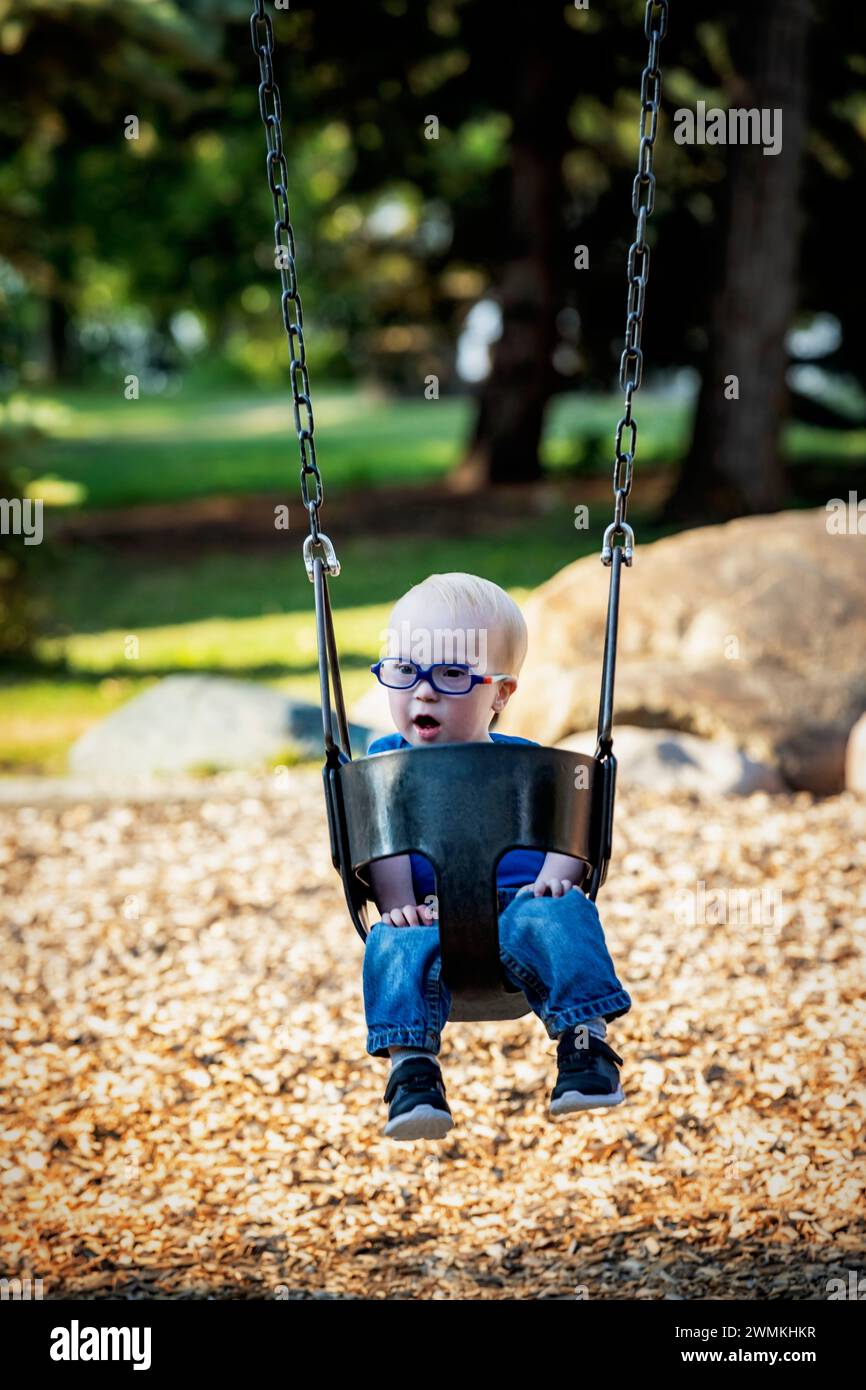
(422, 672)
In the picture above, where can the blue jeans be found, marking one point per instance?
(551, 948)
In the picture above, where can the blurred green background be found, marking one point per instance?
(143, 362)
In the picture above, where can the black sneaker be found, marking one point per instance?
(418, 1108)
(587, 1077)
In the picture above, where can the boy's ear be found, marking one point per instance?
(504, 693)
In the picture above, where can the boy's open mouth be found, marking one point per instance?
(425, 724)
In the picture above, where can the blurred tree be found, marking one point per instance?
(735, 463)
(530, 253)
(726, 222)
(402, 228)
(72, 74)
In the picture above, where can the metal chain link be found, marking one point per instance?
(642, 203)
(290, 299)
(631, 361)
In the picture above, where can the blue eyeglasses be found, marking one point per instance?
(449, 678)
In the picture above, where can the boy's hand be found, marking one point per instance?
(412, 915)
(557, 887)
(559, 874)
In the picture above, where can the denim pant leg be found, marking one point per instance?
(406, 1002)
(554, 949)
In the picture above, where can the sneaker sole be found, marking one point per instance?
(575, 1100)
(424, 1122)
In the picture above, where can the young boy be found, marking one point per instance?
(553, 948)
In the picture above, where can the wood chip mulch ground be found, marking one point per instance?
(189, 1110)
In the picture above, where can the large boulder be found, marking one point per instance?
(205, 722)
(751, 633)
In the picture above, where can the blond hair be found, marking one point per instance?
(494, 607)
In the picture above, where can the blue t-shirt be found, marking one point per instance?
(516, 867)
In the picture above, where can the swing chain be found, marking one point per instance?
(631, 362)
(262, 34)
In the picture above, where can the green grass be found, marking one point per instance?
(118, 453)
(94, 589)
(96, 451)
(89, 449)
(41, 716)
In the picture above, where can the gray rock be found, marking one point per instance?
(202, 722)
(665, 760)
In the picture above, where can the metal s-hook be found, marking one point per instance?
(623, 529)
(329, 560)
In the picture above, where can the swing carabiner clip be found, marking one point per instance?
(330, 561)
(623, 529)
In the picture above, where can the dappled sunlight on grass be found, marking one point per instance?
(90, 415)
(152, 452)
(56, 492)
(233, 416)
(94, 590)
(273, 646)
(197, 444)
(38, 412)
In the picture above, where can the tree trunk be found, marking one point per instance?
(62, 353)
(58, 338)
(734, 465)
(512, 401)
